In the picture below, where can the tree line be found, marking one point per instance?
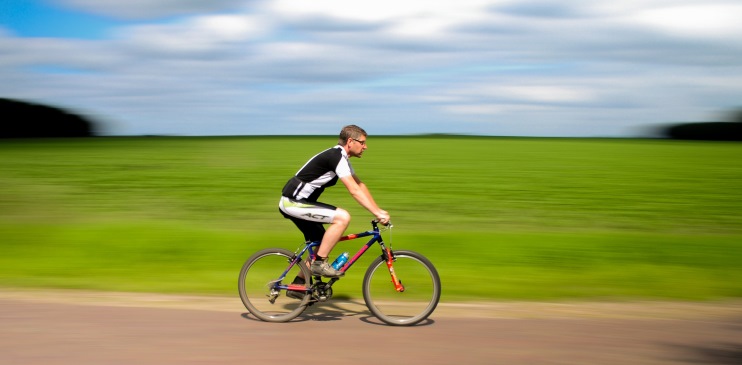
(23, 119)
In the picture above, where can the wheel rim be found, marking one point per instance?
(417, 302)
(256, 282)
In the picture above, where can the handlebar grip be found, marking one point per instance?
(376, 221)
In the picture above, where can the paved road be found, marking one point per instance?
(50, 331)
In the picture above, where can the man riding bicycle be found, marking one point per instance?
(300, 194)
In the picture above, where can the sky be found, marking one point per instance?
(567, 68)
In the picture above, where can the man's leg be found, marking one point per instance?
(310, 217)
(320, 266)
(333, 233)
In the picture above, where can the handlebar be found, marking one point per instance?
(376, 221)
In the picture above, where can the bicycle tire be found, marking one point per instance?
(420, 297)
(256, 288)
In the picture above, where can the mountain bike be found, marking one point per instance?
(400, 288)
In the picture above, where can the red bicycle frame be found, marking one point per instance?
(375, 234)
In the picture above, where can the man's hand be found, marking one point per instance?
(383, 217)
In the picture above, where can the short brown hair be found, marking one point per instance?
(350, 131)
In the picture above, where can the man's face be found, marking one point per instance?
(357, 146)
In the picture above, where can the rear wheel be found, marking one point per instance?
(422, 289)
(263, 289)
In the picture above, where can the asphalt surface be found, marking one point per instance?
(83, 328)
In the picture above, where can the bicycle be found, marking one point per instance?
(265, 292)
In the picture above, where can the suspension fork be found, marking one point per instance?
(388, 256)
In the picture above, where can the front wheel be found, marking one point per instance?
(422, 289)
(263, 282)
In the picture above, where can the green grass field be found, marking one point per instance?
(501, 218)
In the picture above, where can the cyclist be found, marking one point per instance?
(300, 194)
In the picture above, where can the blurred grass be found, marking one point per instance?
(536, 219)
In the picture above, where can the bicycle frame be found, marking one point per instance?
(375, 234)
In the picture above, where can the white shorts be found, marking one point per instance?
(308, 211)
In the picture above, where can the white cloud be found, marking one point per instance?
(535, 93)
(488, 109)
(376, 11)
(150, 9)
(201, 33)
(708, 20)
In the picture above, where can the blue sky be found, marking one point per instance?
(486, 67)
(34, 19)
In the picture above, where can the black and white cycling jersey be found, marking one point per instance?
(321, 171)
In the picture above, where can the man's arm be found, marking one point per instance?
(362, 195)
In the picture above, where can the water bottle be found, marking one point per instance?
(340, 261)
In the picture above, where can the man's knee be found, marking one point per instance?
(341, 217)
